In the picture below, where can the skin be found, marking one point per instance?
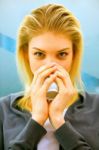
(50, 57)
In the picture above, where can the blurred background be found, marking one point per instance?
(11, 14)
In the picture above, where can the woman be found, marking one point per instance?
(49, 49)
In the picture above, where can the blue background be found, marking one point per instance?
(11, 14)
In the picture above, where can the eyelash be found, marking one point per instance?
(36, 53)
(39, 54)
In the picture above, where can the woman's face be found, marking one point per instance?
(48, 48)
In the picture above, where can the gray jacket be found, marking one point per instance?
(18, 131)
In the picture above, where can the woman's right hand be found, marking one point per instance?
(42, 79)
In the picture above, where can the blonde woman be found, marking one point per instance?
(49, 50)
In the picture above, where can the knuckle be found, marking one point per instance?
(47, 80)
(41, 76)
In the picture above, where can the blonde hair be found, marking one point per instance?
(57, 19)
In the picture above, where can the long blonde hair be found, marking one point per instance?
(54, 18)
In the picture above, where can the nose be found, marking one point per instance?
(51, 61)
(51, 58)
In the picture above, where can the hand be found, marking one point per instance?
(43, 78)
(64, 98)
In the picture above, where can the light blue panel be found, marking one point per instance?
(7, 43)
(9, 81)
(91, 83)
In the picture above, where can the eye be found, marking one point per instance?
(63, 54)
(38, 54)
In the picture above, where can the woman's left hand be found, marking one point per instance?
(64, 98)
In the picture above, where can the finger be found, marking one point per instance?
(42, 77)
(49, 81)
(65, 77)
(61, 76)
(59, 83)
(42, 69)
(61, 68)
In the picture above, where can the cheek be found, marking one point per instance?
(67, 64)
(68, 67)
(35, 64)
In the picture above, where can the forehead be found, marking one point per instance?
(50, 41)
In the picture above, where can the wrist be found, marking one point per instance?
(38, 119)
(57, 121)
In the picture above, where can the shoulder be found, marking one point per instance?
(4, 101)
(7, 101)
(8, 98)
(86, 103)
(91, 98)
(86, 100)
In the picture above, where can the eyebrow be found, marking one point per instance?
(64, 49)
